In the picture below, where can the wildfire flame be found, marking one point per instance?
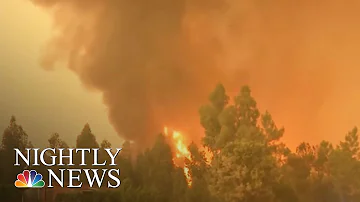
(181, 151)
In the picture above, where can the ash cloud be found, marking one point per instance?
(155, 61)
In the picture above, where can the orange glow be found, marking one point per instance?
(187, 175)
(180, 150)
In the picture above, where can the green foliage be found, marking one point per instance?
(86, 139)
(198, 169)
(56, 142)
(197, 165)
(14, 136)
(126, 150)
(105, 144)
(247, 113)
(156, 169)
(218, 98)
(209, 115)
(351, 143)
(345, 173)
(245, 169)
(250, 163)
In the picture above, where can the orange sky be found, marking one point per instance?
(44, 102)
(300, 59)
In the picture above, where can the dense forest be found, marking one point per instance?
(249, 162)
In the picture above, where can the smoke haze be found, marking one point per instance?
(155, 62)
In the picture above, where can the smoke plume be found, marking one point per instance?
(155, 61)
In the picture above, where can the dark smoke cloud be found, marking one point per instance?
(155, 61)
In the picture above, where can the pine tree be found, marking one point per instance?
(86, 139)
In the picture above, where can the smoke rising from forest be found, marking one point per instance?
(155, 62)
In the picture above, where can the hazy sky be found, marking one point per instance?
(43, 101)
(156, 63)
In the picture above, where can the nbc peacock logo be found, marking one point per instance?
(29, 179)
